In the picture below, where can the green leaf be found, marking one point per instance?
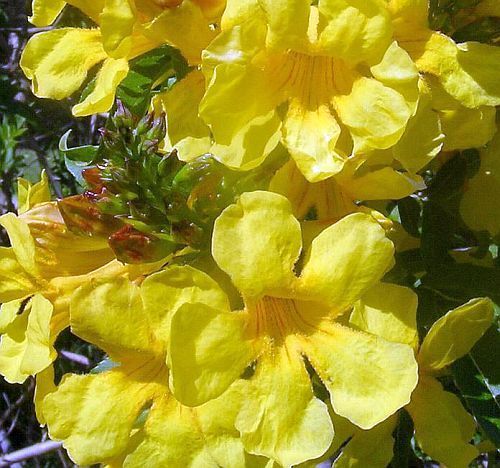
(403, 452)
(147, 72)
(77, 159)
(462, 282)
(477, 376)
(409, 213)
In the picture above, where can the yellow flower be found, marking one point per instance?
(285, 317)
(58, 61)
(480, 202)
(126, 415)
(431, 407)
(38, 274)
(326, 80)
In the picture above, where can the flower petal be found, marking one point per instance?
(310, 134)
(368, 378)
(94, 414)
(480, 202)
(373, 448)
(27, 344)
(208, 351)
(184, 27)
(354, 31)
(170, 437)
(468, 128)
(58, 61)
(23, 244)
(117, 24)
(15, 283)
(111, 74)
(288, 21)
(244, 84)
(433, 409)
(454, 334)
(375, 114)
(257, 242)
(467, 71)
(45, 12)
(290, 433)
(168, 290)
(345, 260)
(29, 195)
(110, 314)
(388, 311)
(187, 132)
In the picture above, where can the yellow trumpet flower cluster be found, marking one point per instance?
(284, 342)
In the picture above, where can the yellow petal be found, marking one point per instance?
(354, 31)
(289, 433)
(480, 202)
(58, 61)
(208, 351)
(326, 198)
(22, 242)
(45, 12)
(166, 291)
(257, 242)
(372, 448)
(184, 27)
(245, 84)
(94, 414)
(310, 134)
(117, 23)
(110, 314)
(216, 421)
(468, 128)
(171, 438)
(288, 21)
(454, 334)
(423, 137)
(433, 409)
(29, 195)
(380, 184)
(111, 74)
(345, 260)
(187, 132)
(44, 386)
(368, 377)
(27, 345)
(251, 144)
(375, 114)
(467, 71)
(388, 311)
(15, 283)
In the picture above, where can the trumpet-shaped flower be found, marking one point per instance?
(326, 80)
(58, 61)
(431, 407)
(285, 319)
(38, 275)
(480, 202)
(126, 415)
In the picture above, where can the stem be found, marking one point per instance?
(29, 452)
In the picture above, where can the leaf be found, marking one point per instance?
(403, 434)
(77, 159)
(146, 72)
(477, 376)
(462, 282)
(409, 212)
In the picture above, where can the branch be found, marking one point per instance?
(29, 452)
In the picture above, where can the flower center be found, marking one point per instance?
(309, 78)
(277, 318)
